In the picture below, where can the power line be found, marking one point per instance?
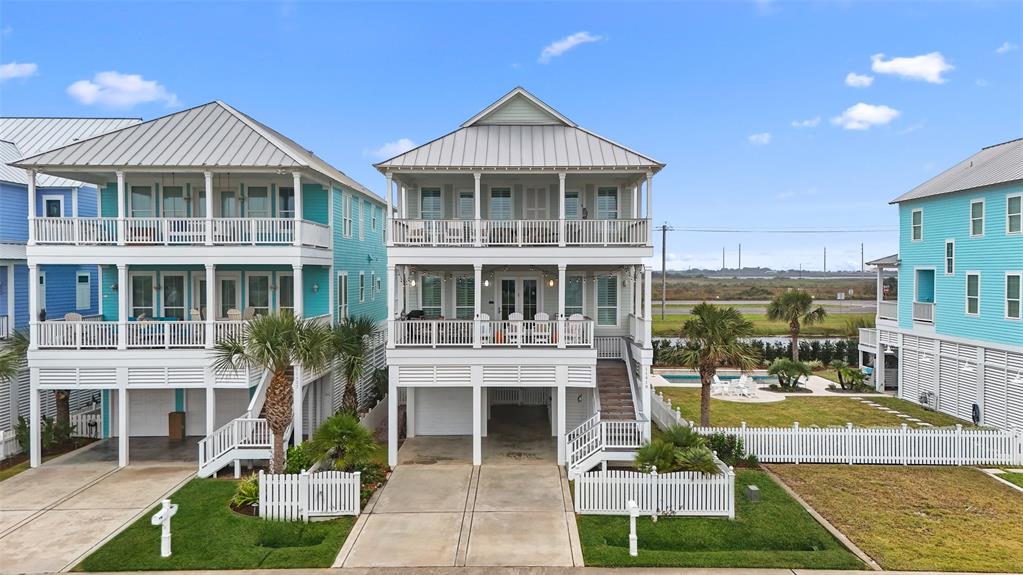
(786, 230)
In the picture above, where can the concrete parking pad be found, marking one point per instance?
(407, 540)
(519, 539)
(519, 488)
(32, 490)
(133, 487)
(425, 488)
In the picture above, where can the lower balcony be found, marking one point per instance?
(888, 310)
(494, 333)
(923, 312)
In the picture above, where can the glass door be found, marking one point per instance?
(258, 293)
(199, 296)
(174, 296)
(228, 204)
(228, 295)
(519, 295)
(286, 293)
(529, 298)
(508, 297)
(142, 295)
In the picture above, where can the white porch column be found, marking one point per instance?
(647, 312)
(635, 200)
(880, 288)
(477, 202)
(296, 406)
(31, 211)
(392, 417)
(211, 305)
(296, 270)
(331, 307)
(561, 208)
(74, 212)
(650, 206)
(410, 412)
(35, 443)
(402, 201)
(477, 425)
(388, 216)
(561, 423)
(122, 426)
(211, 407)
(33, 305)
(562, 320)
(391, 279)
(297, 182)
(121, 232)
(878, 365)
(477, 302)
(484, 411)
(208, 182)
(10, 298)
(122, 306)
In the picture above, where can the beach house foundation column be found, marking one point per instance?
(211, 406)
(299, 297)
(647, 312)
(35, 413)
(477, 302)
(392, 416)
(388, 216)
(122, 426)
(33, 305)
(477, 425)
(410, 412)
(477, 202)
(637, 300)
(561, 208)
(649, 206)
(31, 208)
(120, 208)
(561, 421)
(211, 295)
(391, 279)
(562, 320)
(208, 182)
(296, 405)
(297, 182)
(122, 306)
(10, 298)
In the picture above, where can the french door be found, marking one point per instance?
(536, 204)
(173, 295)
(142, 301)
(228, 293)
(520, 295)
(258, 293)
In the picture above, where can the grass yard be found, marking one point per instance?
(833, 325)
(1013, 478)
(914, 410)
(774, 533)
(917, 518)
(808, 411)
(208, 535)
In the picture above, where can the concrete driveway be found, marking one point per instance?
(53, 515)
(460, 515)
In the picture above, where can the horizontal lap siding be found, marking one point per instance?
(13, 213)
(365, 253)
(61, 282)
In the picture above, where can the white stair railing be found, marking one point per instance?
(594, 436)
(249, 433)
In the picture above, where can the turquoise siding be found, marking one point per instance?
(354, 255)
(947, 217)
(314, 203)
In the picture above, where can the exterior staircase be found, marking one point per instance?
(615, 391)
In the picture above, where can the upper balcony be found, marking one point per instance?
(150, 231)
(487, 233)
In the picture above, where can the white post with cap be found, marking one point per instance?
(31, 209)
(121, 232)
(297, 182)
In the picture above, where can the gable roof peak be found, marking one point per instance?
(540, 111)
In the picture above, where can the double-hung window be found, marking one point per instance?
(972, 294)
(430, 204)
(977, 218)
(574, 296)
(607, 300)
(373, 218)
(607, 203)
(917, 225)
(1014, 214)
(572, 204)
(342, 296)
(500, 204)
(372, 286)
(347, 216)
(430, 299)
(362, 219)
(950, 257)
(465, 297)
(466, 205)
(1013, 295)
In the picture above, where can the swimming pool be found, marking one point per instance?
(694, 378)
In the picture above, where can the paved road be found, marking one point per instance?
(760, 306)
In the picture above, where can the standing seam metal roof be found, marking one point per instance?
(35, 135)
(996, 164)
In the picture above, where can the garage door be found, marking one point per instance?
(443, 411)
(147, 412)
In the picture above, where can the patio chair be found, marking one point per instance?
(72, 316)
(194, 314)
(486, 333)
(514, 331)
(542, 328)
(718, 387)
(234, 314)
(249, 313)
(574, 329)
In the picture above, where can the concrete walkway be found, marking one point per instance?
(53, 515)
(459, 515)
(555, 571)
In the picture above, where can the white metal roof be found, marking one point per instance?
(8, 173)
(36, 135)
(892, 260)
(520, 132)
(210, 136)
(996, 164)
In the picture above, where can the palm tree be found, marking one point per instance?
(713, 338)
(350, 338)
(796, 308)
(345, 439)
(13, 353)
(276, 342)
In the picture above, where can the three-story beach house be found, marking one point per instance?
(517, 275)
(949, 323)
(62, 290)
(206, 218)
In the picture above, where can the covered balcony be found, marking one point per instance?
(887, 287)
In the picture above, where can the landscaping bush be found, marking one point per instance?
(678, 449)
(247, 493)
(788, 372)
(343, 439)
(849, 378)
(730, 449)
(809, 350)
(298, 459)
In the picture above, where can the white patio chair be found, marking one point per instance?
(718, 387)
(249, 313)
(513, 334)
(486, 331)
(234, 314)
(574, 329)
(542, 328)
(194, 314)
(72, 316)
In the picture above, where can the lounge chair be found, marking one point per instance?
(542, 328)
(513, 334)
(234, 314)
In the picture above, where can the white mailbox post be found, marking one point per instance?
(633, 540)
(163, 518)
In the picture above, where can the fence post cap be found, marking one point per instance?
(742, 424)
(959, 427)
(849, 425)
(795, 424)
(905, 426)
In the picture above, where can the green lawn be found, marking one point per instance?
(915, 410)
(833, 325)
(808, 411)
(917, 518)
(208, 535)
(1014, 478)
(774, 533)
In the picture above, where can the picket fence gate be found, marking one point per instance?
(683, 493)
(9, 446)
(879, 445)
(301, 496)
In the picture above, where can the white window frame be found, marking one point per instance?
(460, 194)
(362, 287)
(440, 202)
(582, 290)
(152, 200)
(912, 226)
(454, 295)
(184, 293)
(280, 277)
(596, 301)
(269, 202)
(576, 197)
(983, 210)
(950, 260)
(618, 202)
(1018, 299)
(372, 286)
(373, 217)
(342, 295)
(88, 290)
(491, 203)
(422, 284)
(1008, 216)
(131, 292)
(58, 197)
(248, 290)
(966, 293)
(362, 219)
(218, 292)
(346, 214)
(163, 202)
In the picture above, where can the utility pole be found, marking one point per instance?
(825, 259)
(862, 268)
(664, 270)
(740, 259)
(722, 258)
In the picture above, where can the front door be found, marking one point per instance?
(228, 204)
(536, 204)
(519, 295)
(228, 294)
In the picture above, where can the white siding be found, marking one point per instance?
(443, 411)
(578, 405)
(230, 403)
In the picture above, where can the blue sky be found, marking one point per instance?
(712, 89)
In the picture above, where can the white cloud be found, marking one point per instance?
(810, 123)
(981, 82)
(862, 116)
(858, 80)
(116, 90)
(391, 149)
(761, 139)
(926, 67)
(559, 47)
(1007, 47)
(17, 70)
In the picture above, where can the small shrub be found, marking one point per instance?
(788, 372)
(699, 459)
(683, 437)
(814, 364)
(298, 459)
(730, 449)
(658, 453)
(247, 493)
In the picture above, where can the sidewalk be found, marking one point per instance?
(548, 571)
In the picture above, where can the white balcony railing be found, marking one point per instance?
(923, 312)
(493, 333)
(868, 336)
(178, 231)
(410, 232)
(888, 310)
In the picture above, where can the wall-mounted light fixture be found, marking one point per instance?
(550, 282)
(113, 287)
(486, 282)
(316, 288)
(412, 282)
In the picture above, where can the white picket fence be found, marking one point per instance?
(9, 445)
(680, 493)
(301, 496)
(663, 413)
(879, 445)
